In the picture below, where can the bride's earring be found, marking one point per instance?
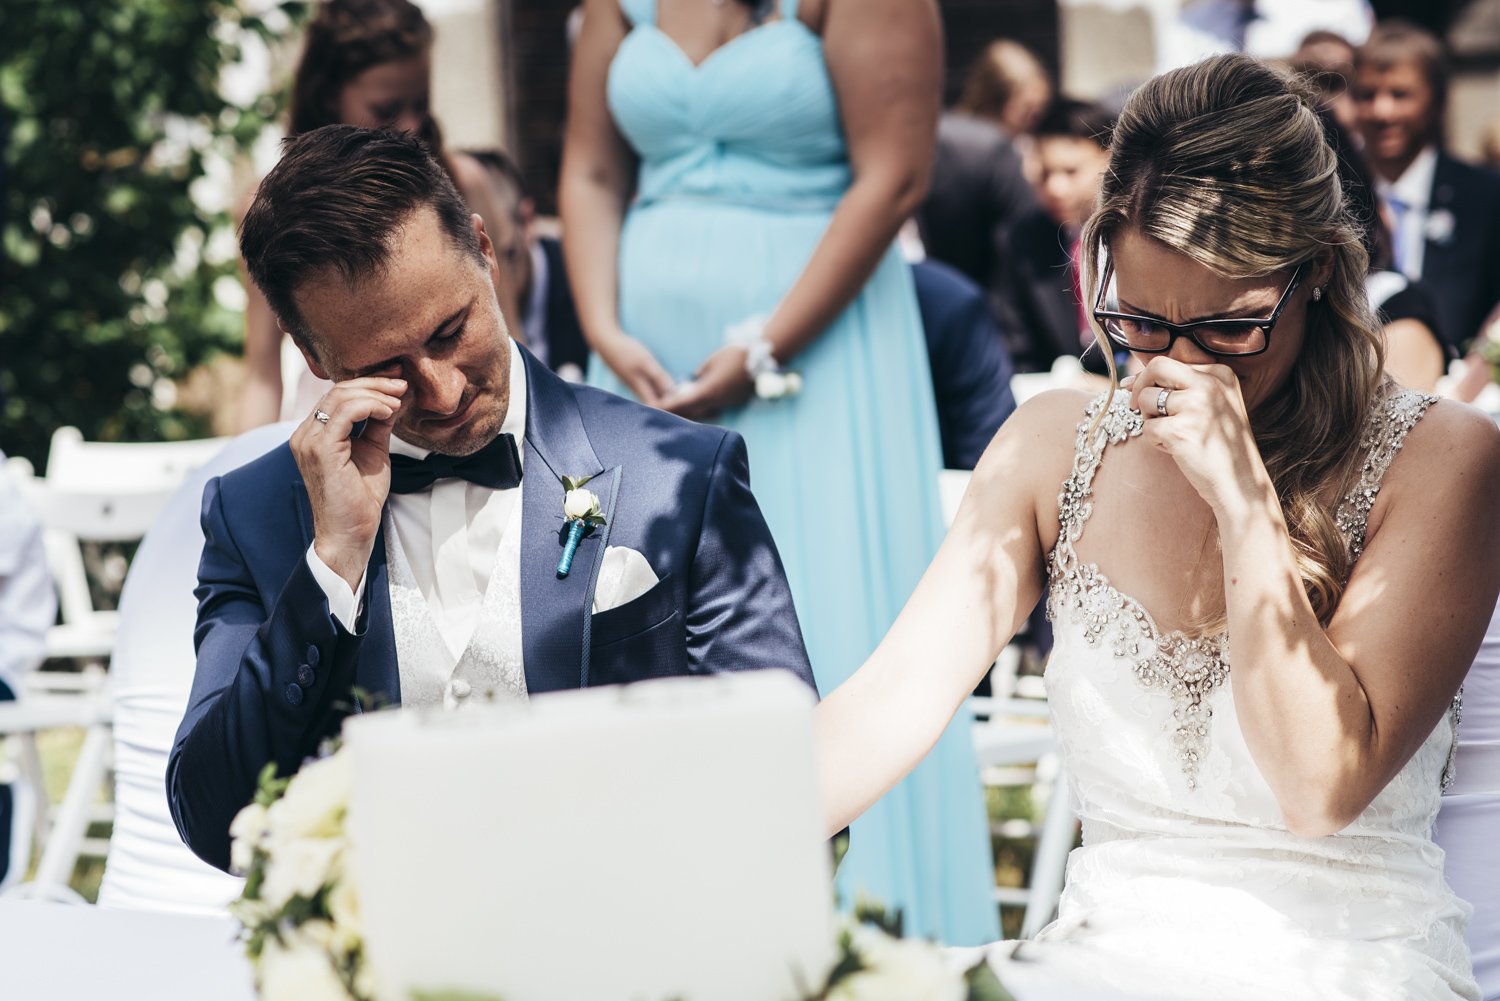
(1317, 293)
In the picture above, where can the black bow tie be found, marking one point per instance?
(497, 466)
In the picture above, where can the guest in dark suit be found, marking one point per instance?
(977, 182)
(411, 559)
(1444, 214)
(971, 367)
(549, 320)
(1040, 299)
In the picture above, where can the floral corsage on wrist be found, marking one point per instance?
(771, 381)
(581, 509)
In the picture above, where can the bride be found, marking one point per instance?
(1268, 569)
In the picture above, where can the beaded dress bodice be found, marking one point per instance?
(1186, 868)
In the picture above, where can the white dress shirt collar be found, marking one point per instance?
(1414, 187)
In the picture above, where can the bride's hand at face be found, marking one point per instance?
(1206, 428)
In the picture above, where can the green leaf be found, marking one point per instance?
(452, 995)
(985, 986)
(270, 788)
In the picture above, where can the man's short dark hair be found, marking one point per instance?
(332, 205)
(1077, 120)
(1396, 41)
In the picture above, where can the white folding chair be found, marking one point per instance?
(1010, 732)
(93, 492)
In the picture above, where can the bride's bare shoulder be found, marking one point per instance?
(1452, 441)
(1035, 444)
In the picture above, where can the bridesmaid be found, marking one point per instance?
(733, 179)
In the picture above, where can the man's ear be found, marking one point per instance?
(307, 355)
(526, 210)
(486, 249)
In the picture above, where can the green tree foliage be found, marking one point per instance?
(110, 268)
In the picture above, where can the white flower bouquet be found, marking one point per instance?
(300, 918)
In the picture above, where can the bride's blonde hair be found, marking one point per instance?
(1226, 162)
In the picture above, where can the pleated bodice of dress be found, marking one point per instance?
(756, 122)
(1188, 883)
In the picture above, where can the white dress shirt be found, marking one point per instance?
(534, 319)
(450, 534)
(28, 603)
(1406, 199)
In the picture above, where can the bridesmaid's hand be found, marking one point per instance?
(720, 383)
(637, 367)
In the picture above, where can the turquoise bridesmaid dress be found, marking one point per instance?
(742, 163)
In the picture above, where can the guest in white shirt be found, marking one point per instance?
(1444, 215)
(28, 602)
(28, 605)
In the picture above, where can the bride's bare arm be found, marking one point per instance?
(1330, 716)
(986, 579)
(598, 176)
(885, 60)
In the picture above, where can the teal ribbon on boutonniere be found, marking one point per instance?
(581, 509)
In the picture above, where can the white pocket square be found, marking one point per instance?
(623, 576)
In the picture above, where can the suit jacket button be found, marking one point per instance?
(305, 676)
(312, 655)
(294, 694)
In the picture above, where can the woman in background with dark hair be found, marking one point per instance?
(366, 63)
(733, 180)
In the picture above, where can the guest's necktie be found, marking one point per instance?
(1399, 209)
(497, 466)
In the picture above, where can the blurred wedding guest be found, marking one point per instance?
(971, 367)
(1268, 29)
(1444, 214)
(977, 180)
(1469, 818)
(1041, 306)
(1327, 59)
(28, 606)
(1415, 353)
(709, 249)
(544, 299)
(365, 63)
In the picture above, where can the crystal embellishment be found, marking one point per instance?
(1188, 668)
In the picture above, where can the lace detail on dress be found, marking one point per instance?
(1187, 668)
(1385, 430)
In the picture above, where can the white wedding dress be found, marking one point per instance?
(1188, 884)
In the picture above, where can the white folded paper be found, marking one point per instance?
(654, 841)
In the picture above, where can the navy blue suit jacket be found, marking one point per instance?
(275, 669)
(971, 366)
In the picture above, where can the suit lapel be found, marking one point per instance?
(555, 611)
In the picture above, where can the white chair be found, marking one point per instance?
(149, 868)
(1010, 732)
(94, 492)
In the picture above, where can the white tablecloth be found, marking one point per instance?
(58, 952)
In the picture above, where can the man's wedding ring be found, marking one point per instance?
(320, 417)
(1161, 402)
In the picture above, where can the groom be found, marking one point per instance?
(405, 545)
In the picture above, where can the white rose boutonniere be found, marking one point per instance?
(581, 509)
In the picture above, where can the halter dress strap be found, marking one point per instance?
(1386, 428)
(1095, 433)
(789, 10)
(639, 12)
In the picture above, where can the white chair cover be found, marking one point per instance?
(149, 868)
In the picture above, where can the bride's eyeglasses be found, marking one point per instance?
(1149, 335)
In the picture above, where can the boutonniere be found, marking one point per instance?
(581, 509)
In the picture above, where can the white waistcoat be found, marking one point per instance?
(491, 666)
